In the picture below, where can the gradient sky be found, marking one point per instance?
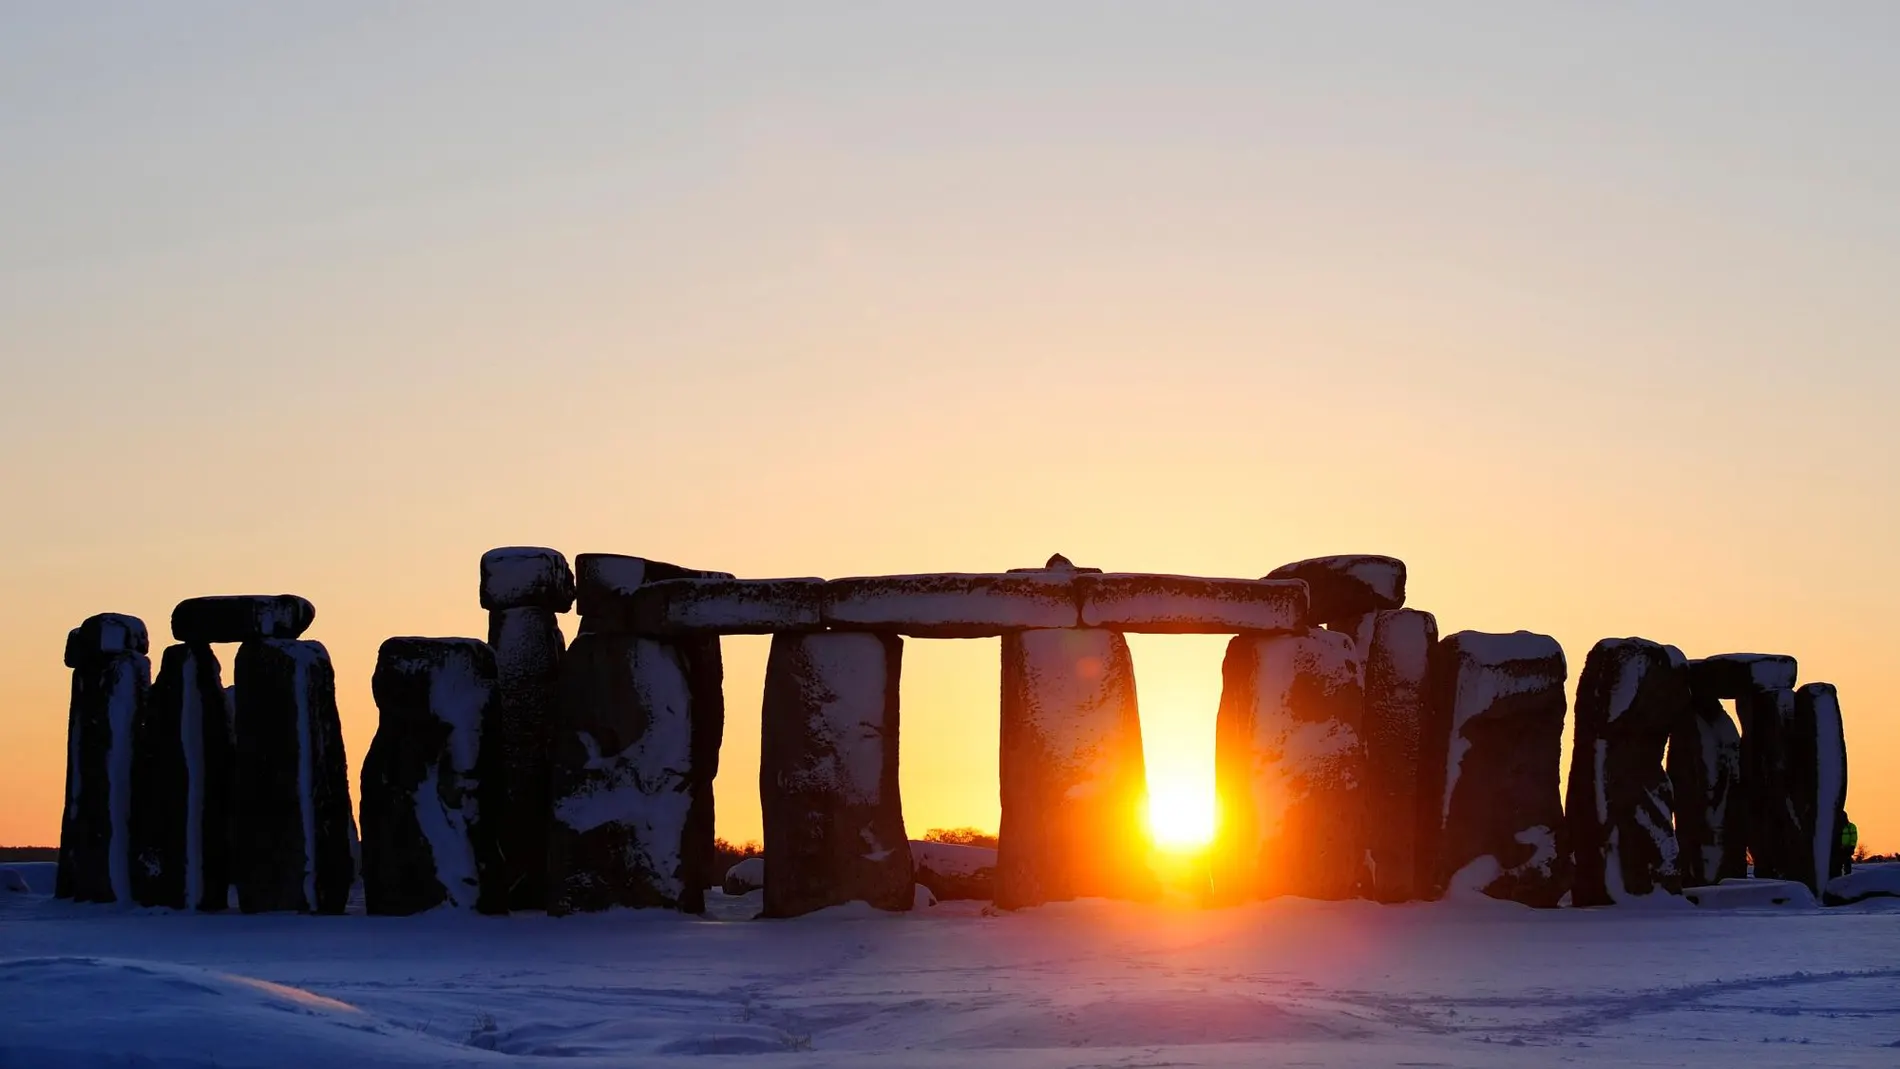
(1589, 312)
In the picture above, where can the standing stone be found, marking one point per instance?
(1817, 783)
(1705, 779)
(1491, 757)
(1775, 842)
(834, 820)
(1396, 654)
(1348, 585)
(426, 840)
(1289, 769)
(624, 782)
(1619, 806)
(524, 588)
(291, 799)
(1074, 782)
(111, 681)
(183, 760)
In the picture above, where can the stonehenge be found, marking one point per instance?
(1356, 754)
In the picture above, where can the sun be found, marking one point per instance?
(1181, 815)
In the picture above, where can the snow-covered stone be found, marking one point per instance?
(527, 645)
(1705, 783)
(1866, 881)
(624, 782)
(242, 617)
(834, 820)
(1289, 769)
(607, 583)
(745, 877)
(105, 633)
(728, 606)
(111, 684)
(291, 812)
(184, 757)
(12, 882)
(1751, 894)
(951, 605)
(1395, 654)
(955, 871)
(1816, 783)
(1188, 605)
(426, 841)
(922, 897)
(1631, 693)
(1348, 585)
(1775, 841)
(1490, 756)
(1059, 563)
(1734, 675)
(521, 577)
(1074, 784)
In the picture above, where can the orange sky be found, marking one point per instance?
(331, 304)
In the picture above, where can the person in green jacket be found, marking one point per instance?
(1844, 852)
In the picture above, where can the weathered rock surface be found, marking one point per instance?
(1289, 769)
(954, 871)
(1188, 605)
(293, 824)
(675, 607)
(624, 783)
(1774, 830)
(1491, 754)
(241, 618)
(608, 582)
(1631, 693)
(834, 820)
(951, 605)
(1074, 781)
(523, 577)
(1735, 675)
(1705, 783)
(105, 633)
(1396, 654)
(527, 646)
(1348, 585)
(1817, 783)
(111, 681)
(426, 841)
(184, 757)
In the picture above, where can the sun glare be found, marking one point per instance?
(1181, 815)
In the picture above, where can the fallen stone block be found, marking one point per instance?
(1289, 769)
(1348, 585)
(1491, 756)
(110, 687)
(1735, 675)
(527, 645)
(1619, 808)
(426, 840)
(184, 758)
(1751, 894)
(1074, 782)
(674, 607)
(524, 577)
(241, 618)
(951, 605)
(745, 877)
(1705, 783)
(1188, 605)
(103, 635)
(953, 871)
(1396, 654)
(834, 820)
(1866, 881)
(1817, 783)
(292, 820)
(624, 781)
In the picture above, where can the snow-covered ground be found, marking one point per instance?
(1083, 984)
